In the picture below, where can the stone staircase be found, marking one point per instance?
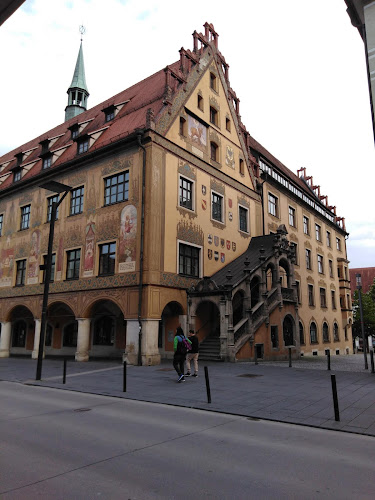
(209, 349)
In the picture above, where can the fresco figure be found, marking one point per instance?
(128, 235)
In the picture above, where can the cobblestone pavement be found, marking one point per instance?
(301, 394)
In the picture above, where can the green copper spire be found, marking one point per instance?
(77, 92)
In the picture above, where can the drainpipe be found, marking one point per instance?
(139, 138)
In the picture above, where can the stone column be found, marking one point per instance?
(35, 352)
(83, 339)
(131, 349)
(150, 350)
(6, 330)
(184, 323)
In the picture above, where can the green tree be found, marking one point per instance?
(368, 307)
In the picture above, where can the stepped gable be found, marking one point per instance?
(135, 101)
(237, 266)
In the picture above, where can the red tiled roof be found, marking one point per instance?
(144, 95)
(367, 274)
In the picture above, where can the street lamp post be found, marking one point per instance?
(56, 187)
(358, 279)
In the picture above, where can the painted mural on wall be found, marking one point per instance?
(6, 264)
(59, 259)
(197, 133)
(33, 267)
(89, 250)
(127, 243)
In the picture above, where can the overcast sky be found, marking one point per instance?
(298, 67)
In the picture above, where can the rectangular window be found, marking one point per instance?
(53, 266)
(17, 175)
(330, 265)
(242, 167)
(214, 151)
(294, 247)
(83, 145)
(21, 272)
(320, 264)
(217, 207)
(323, 301)
(107, 258)
(186, 193)
(273, 205)
(243, 215)
(333, 298)
(274, 336)
(109, 115)
(306, 225)
(328, 239)
(310, 289)
(47, 162)
(346, 273)
(292, 216)
(308, 258)
(338, 244)
(76, 201)
(1, 224)
(52, 199)
(213, 116)
(213, 83)
(318, 232)
(25, 217)
(298, 289)
(188, 259)
(116, 188)
(73, 264)
(339, 272)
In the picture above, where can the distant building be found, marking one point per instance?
(362, 15)
(176, 215)
(367, 275)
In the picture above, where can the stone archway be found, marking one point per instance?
(107, 330)
(22, 330)
(62, 328)
(170, 320)
(207, 320)
(288, 330)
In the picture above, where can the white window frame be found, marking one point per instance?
(320, 264)
(276, 214)
(187, 243)
(222, 207)
(292, 216)
(307, 225)
(192, 193)
(247, 219)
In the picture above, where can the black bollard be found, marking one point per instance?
(335, 399)
(328, 359)
(290, 357)
(207, 385)
(64, 372)
(372, 360)
(124, 378)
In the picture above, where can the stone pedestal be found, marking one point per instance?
(83, 339)
(6, 329)
(150, 350)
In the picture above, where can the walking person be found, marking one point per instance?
(180, 348)
(193, 354)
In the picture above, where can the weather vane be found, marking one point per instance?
(82, 30)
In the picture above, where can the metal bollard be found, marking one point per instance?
(207, 385)
(372, 360)
(124, 378)
(64, 372)
(290, 357)
(328, 359)
(335, 399)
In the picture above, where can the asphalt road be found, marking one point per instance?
(67, 445)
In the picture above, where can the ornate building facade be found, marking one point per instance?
(165, 198)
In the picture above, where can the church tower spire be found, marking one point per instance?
(77, 92)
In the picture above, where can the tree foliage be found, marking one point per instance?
(368, 307)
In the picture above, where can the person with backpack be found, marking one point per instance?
(193, 354)
(181, 345)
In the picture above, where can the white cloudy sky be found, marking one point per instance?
(298, 67)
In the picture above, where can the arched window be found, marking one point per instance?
(301, 334)
(254, 291)
(19, 334)
(237, 305)
(336, 332)
(70, 334)
(325, 332)
(313, 333)
(288, 331)
(104, 331)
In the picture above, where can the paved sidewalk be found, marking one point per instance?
(301, 394)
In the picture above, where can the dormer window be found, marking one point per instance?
(47, 161)
(109, 113)
(74, 129)
(19, 157)
(45, 146)
(17, 175)
(83, 145)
